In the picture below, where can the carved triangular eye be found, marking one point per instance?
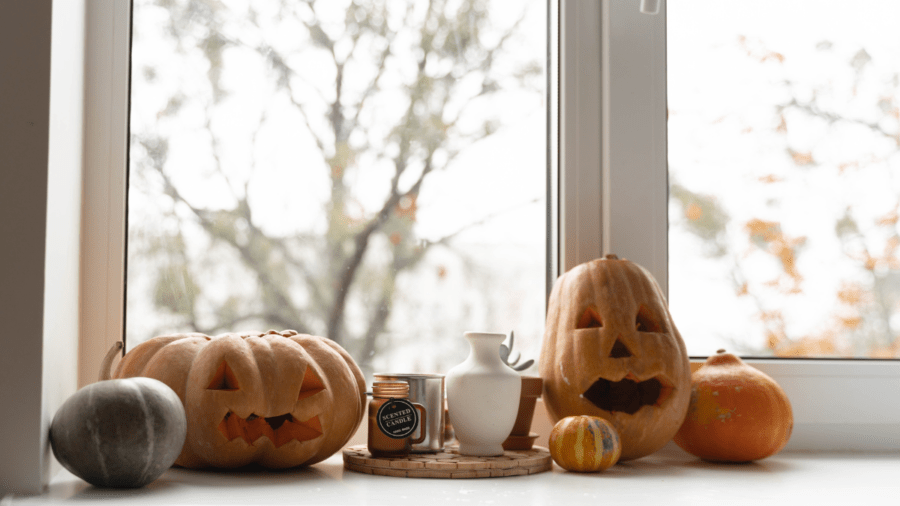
(224, 379)
(646, 321)
(619, 350)
(311, 385)
(589, 320)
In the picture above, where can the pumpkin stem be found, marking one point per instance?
(720, 350)
(611, 256)
(106, 365)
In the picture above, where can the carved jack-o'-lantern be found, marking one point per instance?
(277, 399)
(612, 350)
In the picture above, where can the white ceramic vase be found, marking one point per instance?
(483, 397)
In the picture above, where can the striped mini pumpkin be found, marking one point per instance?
(585, 444)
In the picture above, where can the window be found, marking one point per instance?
(783, 157)
(837, 403)
(373, 172)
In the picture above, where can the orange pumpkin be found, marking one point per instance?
(737, 413)
(279, 399)
(584, 444)
(612, 350)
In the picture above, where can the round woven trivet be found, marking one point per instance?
(449, 463)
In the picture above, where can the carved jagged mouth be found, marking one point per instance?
(280, 429)
(629, 394)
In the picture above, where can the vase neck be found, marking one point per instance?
(485, 348)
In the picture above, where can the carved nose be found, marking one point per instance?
(619, 350)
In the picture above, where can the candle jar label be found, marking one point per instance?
(397, 418)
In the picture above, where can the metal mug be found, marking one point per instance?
(427, 390)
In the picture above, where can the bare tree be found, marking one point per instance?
(394, 91)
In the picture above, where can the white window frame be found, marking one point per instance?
(613, 88)
(610, 140)
(108, 44)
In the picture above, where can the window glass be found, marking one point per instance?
(784, 169)
(369, 171)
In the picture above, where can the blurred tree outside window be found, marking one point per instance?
(784, 170)
(370, 171)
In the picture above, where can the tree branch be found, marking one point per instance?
(267, 283)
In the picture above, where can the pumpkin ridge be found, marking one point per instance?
(268, 367)
(170, 363)
(357, 375)
(96, 439)
(149, 427)
(337, 373)
(135, 361)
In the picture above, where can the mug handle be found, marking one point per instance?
(422, 421)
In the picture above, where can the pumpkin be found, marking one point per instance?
(737, 413)
(279, 399)
(612, 350)
(119, 433)
(584, 444)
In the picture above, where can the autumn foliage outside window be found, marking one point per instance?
(784, 158)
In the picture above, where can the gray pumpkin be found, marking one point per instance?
(119, 433)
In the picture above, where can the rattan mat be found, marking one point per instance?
(449, 463)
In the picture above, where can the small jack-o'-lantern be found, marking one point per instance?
(277, 399)
(612, 350)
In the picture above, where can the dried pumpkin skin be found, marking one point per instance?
(611, 350)
(279, 399)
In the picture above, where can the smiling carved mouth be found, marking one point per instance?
(629, 394)
(280, 429)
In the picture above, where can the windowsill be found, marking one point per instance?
(787, 478)
(794, 476)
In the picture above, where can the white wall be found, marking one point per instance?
(40, 209)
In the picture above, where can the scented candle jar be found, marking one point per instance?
(427, 390)
(392, 419)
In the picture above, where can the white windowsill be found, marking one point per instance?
(791, 477)
(670, 475)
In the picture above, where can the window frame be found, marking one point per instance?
(608, 155)
(836, 403)
(106, 131)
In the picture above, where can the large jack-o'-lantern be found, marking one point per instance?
(612, 350)
(276, 399)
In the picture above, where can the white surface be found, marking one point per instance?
(40, 200)
(669, 476)
(24, 132)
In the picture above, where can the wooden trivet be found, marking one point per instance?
(449, 463)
